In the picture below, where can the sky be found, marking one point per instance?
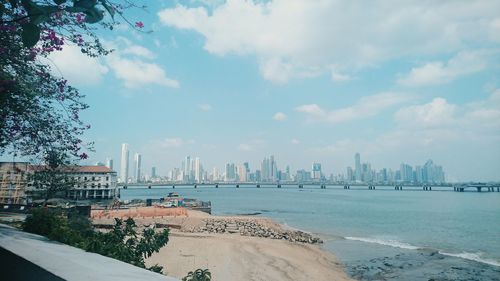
(305, 81)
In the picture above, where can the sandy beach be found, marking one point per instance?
(232, 256)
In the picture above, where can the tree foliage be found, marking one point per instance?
(40, 112)
(121, 243)
(198, 275)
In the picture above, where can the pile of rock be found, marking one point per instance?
(254, 228)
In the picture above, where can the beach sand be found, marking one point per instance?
(230, 257)
(234, 257)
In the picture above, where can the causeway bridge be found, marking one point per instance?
(462, 187)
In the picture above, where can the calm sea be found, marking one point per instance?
(378, 234)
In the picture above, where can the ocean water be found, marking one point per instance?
(378, 234)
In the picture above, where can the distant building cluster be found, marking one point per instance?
(192, 170)
(363, 173)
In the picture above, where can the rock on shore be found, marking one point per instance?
(246, 227)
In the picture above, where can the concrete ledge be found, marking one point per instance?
(26, 256)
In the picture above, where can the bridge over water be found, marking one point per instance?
(479, 187)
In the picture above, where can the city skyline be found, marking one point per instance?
(191, 170)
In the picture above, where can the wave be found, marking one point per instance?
(473, 257)
(398, 244)
(391, 243)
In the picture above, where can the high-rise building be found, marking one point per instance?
(350, 174)
(153, 172)
(265, 170)
(109, 163)
(188, 169)
(215, 174)
(137, 167)
(124, 163)
(274, 169)
(197, 170)
(316, 171)
(406, 172)
(242, 173)
(357, 167)
(230, 174)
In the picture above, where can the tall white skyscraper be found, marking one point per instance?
(187, 167)
(124, 163)
(197, 170)
(137, 167)
(357, 168)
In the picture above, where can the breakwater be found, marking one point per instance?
(255, 228)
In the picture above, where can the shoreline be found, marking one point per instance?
(239, 248)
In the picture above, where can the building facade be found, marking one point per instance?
(87, 182)
(93, 182)
(13, 182)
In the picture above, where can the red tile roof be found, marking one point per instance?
(77, 169)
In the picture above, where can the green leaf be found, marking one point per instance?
(59, 2)
(75, 9)
(30, 34)
(87, 4)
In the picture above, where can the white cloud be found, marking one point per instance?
(136, 73)
(339, 77)
(138, 51)
(477, 118)
(251, 145)
(76, 67)
(245, 147)
(365, 107)
(169, 142)
(130, 64)
(295, 141)
(205, 107)
(439, 73)
(437, 113)
(126, 62)
(279, 116)
(292, 37)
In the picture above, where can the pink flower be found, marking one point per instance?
(79, 18)
(139, 24)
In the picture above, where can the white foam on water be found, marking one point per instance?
(397, 244)
(391, 243)
(473, 257)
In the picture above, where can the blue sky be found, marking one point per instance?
(306, 81)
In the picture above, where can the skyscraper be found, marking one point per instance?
(316, 171)
(274, 169)
(124, 163)
(357, 168)
(109, 163)
(137, 167)
(153, 172)
(265, 170)
(230, 174)
(187, 167)
(197, 170)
